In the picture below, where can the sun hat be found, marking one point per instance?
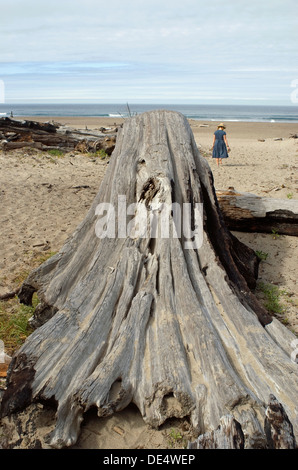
(221, 125)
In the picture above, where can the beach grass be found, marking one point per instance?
(14, 322)
(275, 300)
(14, 316)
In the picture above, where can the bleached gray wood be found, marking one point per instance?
(176, 331)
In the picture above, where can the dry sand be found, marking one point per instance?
(44, 198)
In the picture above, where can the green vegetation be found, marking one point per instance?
(272, 299)
(14, 316)
(176, 439)
(100, 154)
(56, 153)
(290, 195)
(261, 255)
(44, 257)
(14, 326)
(275, 234)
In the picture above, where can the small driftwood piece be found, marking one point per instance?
(46, 136)
(174, 329)
(250, 213)
(278, 428)
(229, 435)
(9, 295)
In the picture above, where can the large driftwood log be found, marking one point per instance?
(250, 213)
(46, 136)
(170, 326)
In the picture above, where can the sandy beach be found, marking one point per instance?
(45, 197)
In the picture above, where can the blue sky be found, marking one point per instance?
(159, 51)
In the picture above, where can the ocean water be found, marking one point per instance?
(191, 111)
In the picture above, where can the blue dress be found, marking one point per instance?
(219, 149)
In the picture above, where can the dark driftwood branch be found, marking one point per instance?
(278, 428)
(278, 432)
(9, 295)
(46, 136)
(137, 319)
(228, 435)
(250, 213)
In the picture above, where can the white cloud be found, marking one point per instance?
(265, 69)
(126, 46)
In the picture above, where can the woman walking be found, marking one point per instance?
(220, 147)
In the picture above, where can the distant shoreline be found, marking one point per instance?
(197, 112)
(239, 129)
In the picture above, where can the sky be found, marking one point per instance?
(154, 51)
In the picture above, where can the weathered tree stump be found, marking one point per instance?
(161, 321)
